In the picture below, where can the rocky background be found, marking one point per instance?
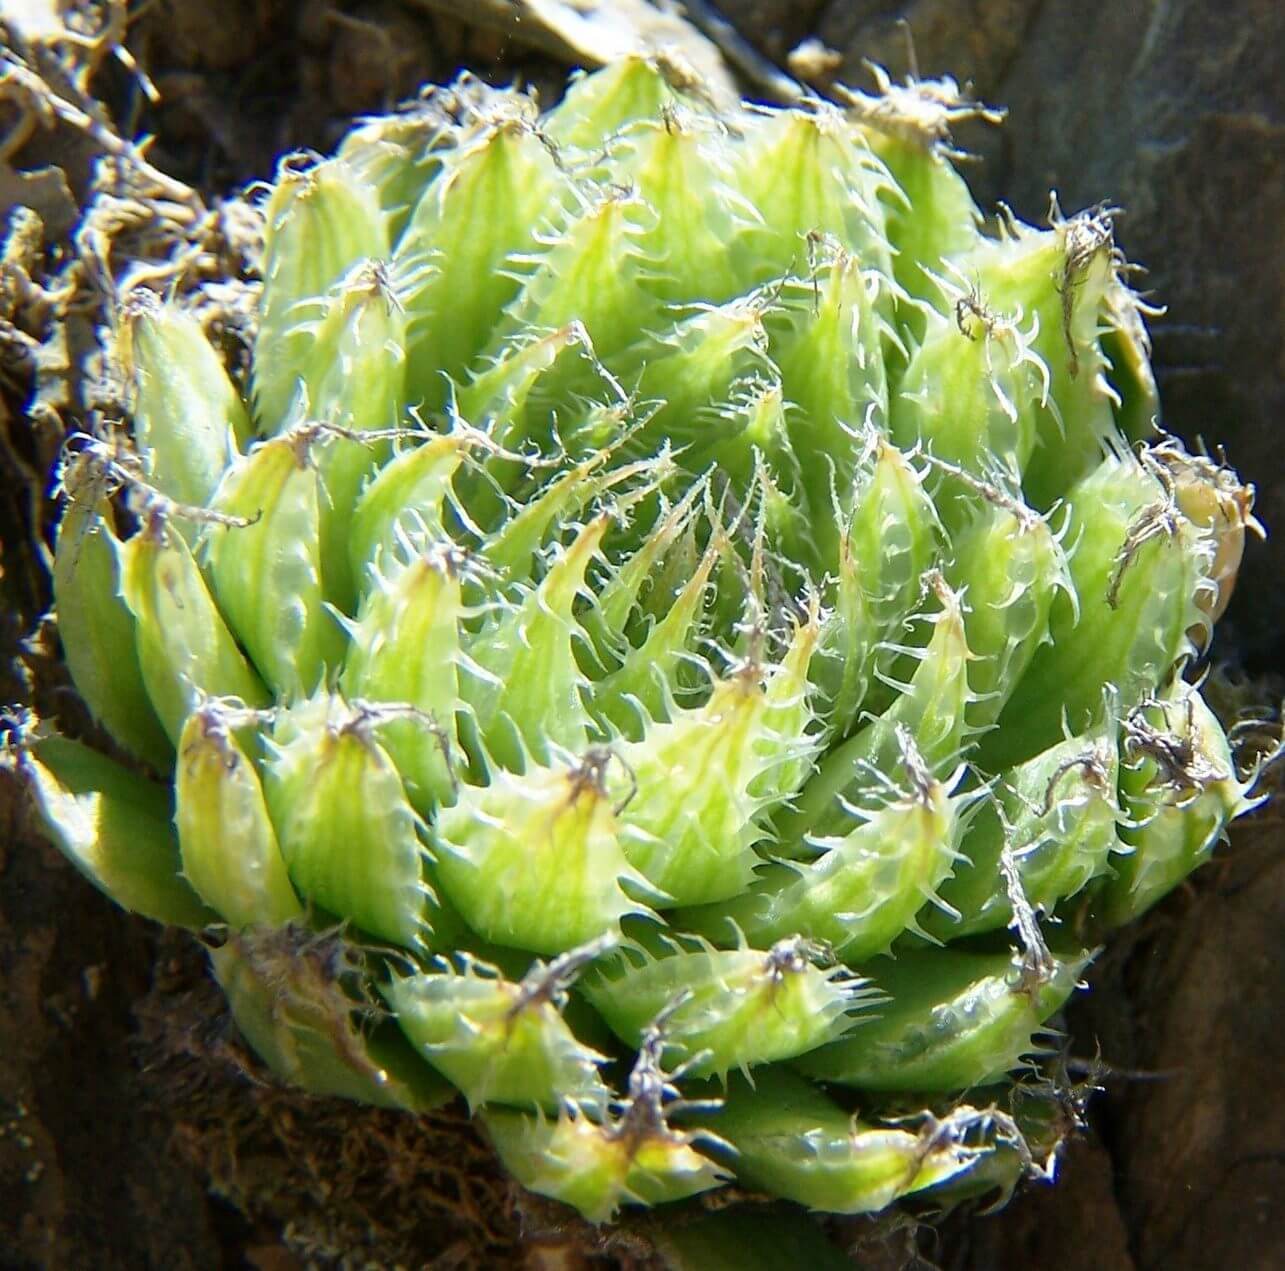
(133, 1131)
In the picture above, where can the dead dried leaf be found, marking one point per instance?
(34, 20)
(45, 191)
(594, 32)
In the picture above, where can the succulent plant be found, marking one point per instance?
(681, 644)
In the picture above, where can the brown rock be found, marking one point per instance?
(1075, 1225)
(974, 40)
(1201, 1152)
(86, 1175)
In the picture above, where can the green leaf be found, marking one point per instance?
(115, 827)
